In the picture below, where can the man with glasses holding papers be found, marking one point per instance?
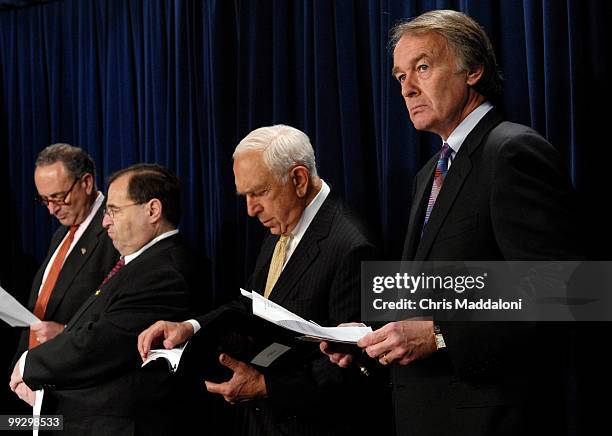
(80, 254)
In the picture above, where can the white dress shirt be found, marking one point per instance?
(457, 136)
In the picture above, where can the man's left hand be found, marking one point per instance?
(26, 394)
(246, 383)
(402, 342)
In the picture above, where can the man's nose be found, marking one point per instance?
(53, 208)
(106, 221)
(253, 206)
(409, 88)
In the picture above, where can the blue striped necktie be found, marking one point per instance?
(440, 174)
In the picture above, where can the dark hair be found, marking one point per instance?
(148, 181)
(76, 160)
(466, 38)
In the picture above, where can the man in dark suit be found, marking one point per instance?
(310, 264)
(92, 368)
(497, 191)
(65, 181)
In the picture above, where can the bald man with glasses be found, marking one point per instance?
(80, 253)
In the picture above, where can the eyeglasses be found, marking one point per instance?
(111, 211)
(57, 199)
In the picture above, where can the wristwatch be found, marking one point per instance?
(440, 344)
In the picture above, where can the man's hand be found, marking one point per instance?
(246, 384)
(25, 393)
(402, 342)
(16, 377)
(46, 330)
(172, 333)
(337, 352)
(336, 355)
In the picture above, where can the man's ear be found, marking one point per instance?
(300, 177)
(88, 181)
(474, 75)
(154, 210)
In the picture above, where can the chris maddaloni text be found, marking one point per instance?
(444, 304)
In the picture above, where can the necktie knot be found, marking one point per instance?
(283, 240)
(446, 151)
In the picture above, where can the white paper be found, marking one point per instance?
(280, 316)
(13, 312)
(173, 356)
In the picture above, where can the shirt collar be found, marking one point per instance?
(131, 257)
(92, 212)
(457, 136)
(310, 212)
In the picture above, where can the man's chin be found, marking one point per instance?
(118, 247)
(65, 221)
(275, 230)
(419, 123)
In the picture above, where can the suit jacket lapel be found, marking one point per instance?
(79, 255)
(455, 178)
(419, 203)
(258, 279)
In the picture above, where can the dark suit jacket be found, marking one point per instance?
(320, 282)
(93, 369)
(85, 267)
(506, 197)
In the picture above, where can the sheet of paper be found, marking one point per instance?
(173, 356)
(13, 312)
(278, 315)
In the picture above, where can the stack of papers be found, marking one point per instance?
(276, 314)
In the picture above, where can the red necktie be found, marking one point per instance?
(113, 271)
(47, 289)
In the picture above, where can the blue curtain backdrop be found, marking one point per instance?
(181, 82)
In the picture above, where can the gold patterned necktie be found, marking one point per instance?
(276, 265)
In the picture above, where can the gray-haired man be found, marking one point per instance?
(310, 264)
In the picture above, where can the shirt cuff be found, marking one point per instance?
(194, 324)
(22, 363)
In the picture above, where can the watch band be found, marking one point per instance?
(440, 344)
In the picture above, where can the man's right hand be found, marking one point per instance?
(337, 353)
(340, 358)
(172, 334)
(46, 330)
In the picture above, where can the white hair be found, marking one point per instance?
(283, 148)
